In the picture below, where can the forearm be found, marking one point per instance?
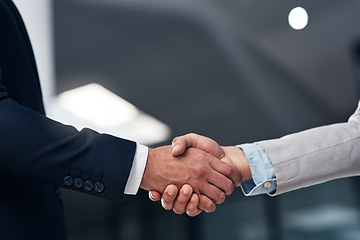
(316, 155)
(37, 148)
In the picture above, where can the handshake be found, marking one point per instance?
(203, 171)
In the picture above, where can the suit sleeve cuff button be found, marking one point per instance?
(68, 181)
(99, 187)
(78, 183)
(88, 185)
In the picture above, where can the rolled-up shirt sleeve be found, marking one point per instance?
(262, 171)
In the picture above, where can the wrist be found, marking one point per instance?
(145, 181)
(244, 166)
(239, 161)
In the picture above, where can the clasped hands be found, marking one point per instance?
(203, 171)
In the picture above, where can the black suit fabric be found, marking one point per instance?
(37, 154)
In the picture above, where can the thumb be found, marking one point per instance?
(179, 146)
(196, 141)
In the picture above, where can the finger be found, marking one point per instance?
(192, 209)
(179, 145)
(182, 199)
(226, 170)
(210, 146)
(213, 193)
(206, 204)
(237, 173)
(225, 184)
(168, 198)
(219, 180)
(154, 196)
(194, 140)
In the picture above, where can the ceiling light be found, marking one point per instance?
(298, 18)
(95, 107)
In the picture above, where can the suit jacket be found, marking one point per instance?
(316, 155)
(38, 155)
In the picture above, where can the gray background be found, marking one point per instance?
(231, 70)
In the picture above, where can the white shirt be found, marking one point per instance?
(137, 170)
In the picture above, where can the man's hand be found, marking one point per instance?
(205, 173)
(186, 200)
(234, 156)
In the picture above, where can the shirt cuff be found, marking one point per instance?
(137, 170)
(262, 171)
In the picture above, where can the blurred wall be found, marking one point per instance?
(38, 18)
(234, 71)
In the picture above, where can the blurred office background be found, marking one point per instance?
(232, 70)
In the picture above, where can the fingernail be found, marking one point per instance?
(175, 147)
(192, 199)
(186, 190)
(150, 195)
(171, 192)
(163, 203)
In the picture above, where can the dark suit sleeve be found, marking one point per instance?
(38, 148)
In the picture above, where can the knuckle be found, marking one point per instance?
(227, 170)
(200, 171)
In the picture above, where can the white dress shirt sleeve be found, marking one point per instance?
(137, 170)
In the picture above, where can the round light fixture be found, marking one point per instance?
(298, 18)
